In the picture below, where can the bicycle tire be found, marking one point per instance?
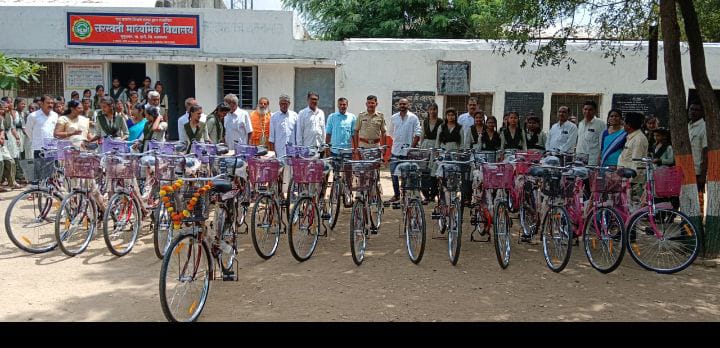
(84, 213)
(454, 231)
(305, 211)
(186, 277)
(271, 218)
(46, 240)
(528, 215)
(415, 230)
(358, 233)
(501, 232)
(375, 206)
(605, 234)
(692, 240)
(121, 198)
(162, 232)
(334, 204)
(226, 231)
(560, 231)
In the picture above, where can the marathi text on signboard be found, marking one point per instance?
(453, 78)
(79, 77)
(147, 30)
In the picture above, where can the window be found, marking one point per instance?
(51, 82)
(573, 101)
(459, 102)
(241, 81)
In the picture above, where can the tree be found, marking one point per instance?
(13, 70)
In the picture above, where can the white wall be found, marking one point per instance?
(274, 80)
(206, 86)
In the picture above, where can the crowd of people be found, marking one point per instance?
(140, 113)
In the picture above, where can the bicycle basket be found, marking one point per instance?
(557, 185)
(418, 154)
(81, 165)
(37, 169)
(307, 171)
(489, 156)
(363, 175)
(411, 177)
(55, 148)
(668, 181)
(498, 176)
(371, 154)
(201, 210)
(204, 151)
(167, 167)
(121, 167)
(226, 165)
(162, 147)
(263, 171)
(297, 151)
(452, 177)
(109, 145)
(605, 181)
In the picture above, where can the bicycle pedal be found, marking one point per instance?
(396, 206)
(229, 276)
(474, 221)
(373, 230)
(245, 204)
(435, 216)
(386, 204)
(326, 216)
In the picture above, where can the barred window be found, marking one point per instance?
(241, 81)
(573, 101)
(50, 82)
(459, 102)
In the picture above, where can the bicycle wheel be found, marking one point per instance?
(334, 203)
(557, 238)
(75, 223)
(30, 220)
(529, 217)
(358, 238)
(121, 224)
(375, 205)
(604, 239)
(501, 229)
(265, 226)
(454, 230)
(304, 229)
(162, 232)
(227, 236)
(415, 230)
(185, 279)
(666, 242)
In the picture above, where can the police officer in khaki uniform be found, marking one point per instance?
(370, 126)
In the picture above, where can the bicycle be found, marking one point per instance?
(187, 266)
(167, 168)
(452, 168)
(363, 175)
(266, 216)
(36, 233)
(500, 178)
(339, 186)
(304, 220)
(374, 198)
(78, 214)
(660, 238)
(414, 227)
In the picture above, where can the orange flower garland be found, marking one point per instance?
(177, 217)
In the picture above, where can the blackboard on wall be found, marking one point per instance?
(524, 102)
(419, 101)
(648, 104)
(453, 78)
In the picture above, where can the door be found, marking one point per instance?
(321, 81)
(179, 84)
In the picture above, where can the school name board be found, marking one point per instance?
(149, 30)
(453, 78)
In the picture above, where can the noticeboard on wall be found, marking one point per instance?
(419, 101)
(79, 77)
(525, 102)
(453, 78)
(648, 104)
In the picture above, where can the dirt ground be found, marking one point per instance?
(96, 286)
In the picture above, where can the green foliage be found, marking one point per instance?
(13, 70)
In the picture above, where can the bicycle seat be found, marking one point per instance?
(627, 173)
(537, 171)
(180, 147)
(222, 149)
(222, 185)
(579, 172)
(91, 146)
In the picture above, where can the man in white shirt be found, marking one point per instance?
(590, 132)
(185, 118)
(310, 126)
(405, 131)
(282, 126)
(467, 120)
(237, 123)
(41, 124)
(563, 134)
